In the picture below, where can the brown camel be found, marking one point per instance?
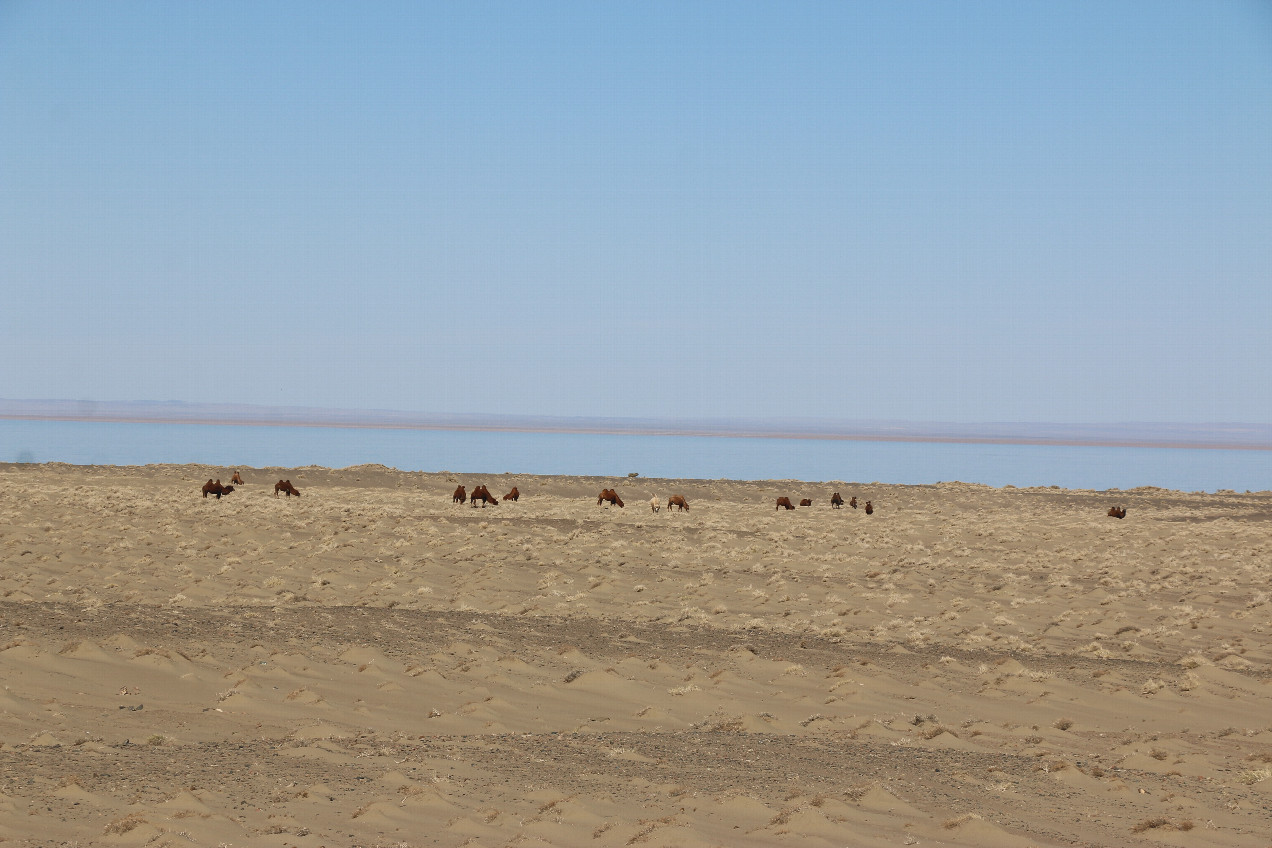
(215, 488)
(783, 503)
(481, 493)
(286, 487)
(678, 501)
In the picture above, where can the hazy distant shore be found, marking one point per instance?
(1146, 435)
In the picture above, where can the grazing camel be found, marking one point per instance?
(215, 488)
(806, 502)
(609, 496)
(483, 494)
(514, 495)
(836, 502)
(853, 503)
(654, 503)
(869, 508)
(237, 479)
(678, 500)
(783, 502)
(286, 487)
(1117, 511)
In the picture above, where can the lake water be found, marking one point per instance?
(703, 457)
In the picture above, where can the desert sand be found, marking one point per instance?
(372, 664)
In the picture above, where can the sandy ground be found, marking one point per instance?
(371, 664)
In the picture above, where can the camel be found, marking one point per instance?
(460, 496)
(237, 479)
(1117, 511)
(853, 503)
(654, 503)
(514, 495)
(783, 502)
(609, 496)
(869, 508)
(806, 502)
(836, 502)
(215, 488)
(286, 487)
(678, 501)
(483, 494)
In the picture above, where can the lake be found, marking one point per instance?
(703, 457)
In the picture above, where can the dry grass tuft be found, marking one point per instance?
(1249, 778)
(959, 821)
(124, 825)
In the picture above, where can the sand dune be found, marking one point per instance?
(371, 664)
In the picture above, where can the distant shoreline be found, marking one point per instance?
(740, 432)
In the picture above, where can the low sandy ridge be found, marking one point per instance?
(373, 664)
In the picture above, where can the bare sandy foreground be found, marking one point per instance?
(371, 664)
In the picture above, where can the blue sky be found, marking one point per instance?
(933, 211)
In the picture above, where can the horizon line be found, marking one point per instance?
(1170, 436)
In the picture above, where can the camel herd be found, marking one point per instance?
(609, 497)
(214, 487)
(481, 493)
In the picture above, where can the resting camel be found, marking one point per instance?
(286, 487)
(836, 502)
(237, 479)
(1117, 511)
(869, 508)
(513, 495)
(853, 503)
(678, 500)
(483, 494)
(609, 496)
(215, 488)
(654, 504)
(806, 502)
(783, 502)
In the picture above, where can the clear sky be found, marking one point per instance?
(933, 211)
